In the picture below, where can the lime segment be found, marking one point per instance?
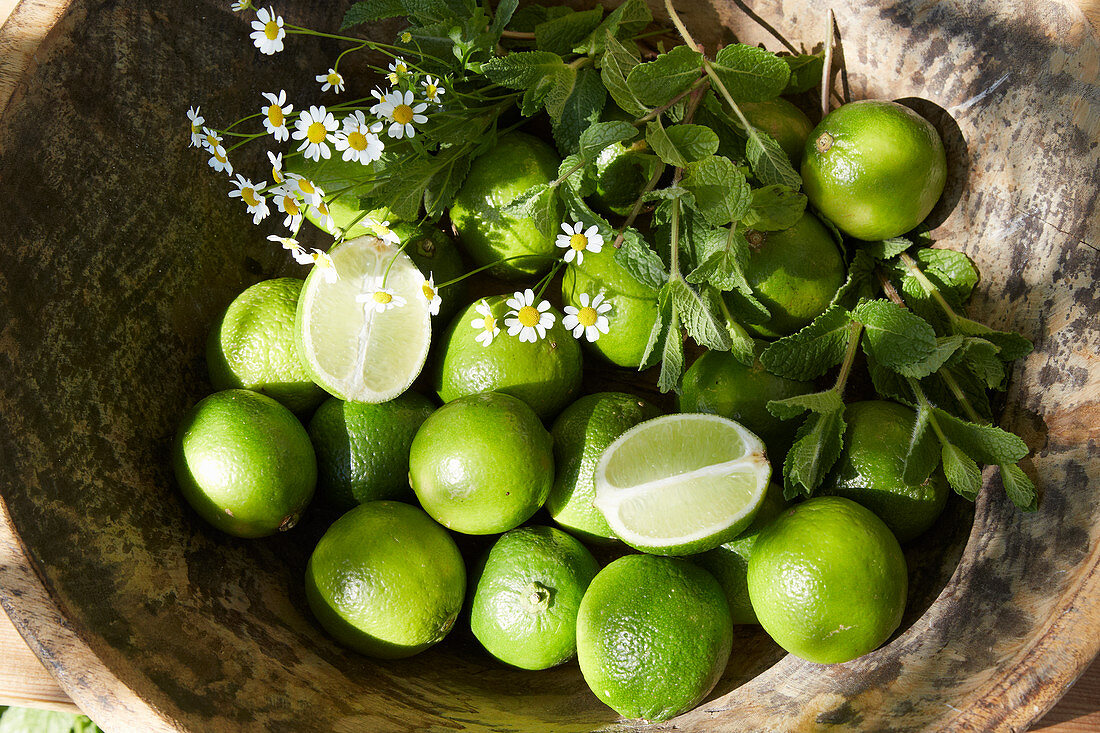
(681, 484)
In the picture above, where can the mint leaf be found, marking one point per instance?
(952, 272)
(961, 471)
(405, 193)
(540, 204)
(657, 82)
(698, 317)
(820, 402)
(817, 446)
(774, 208)
(656, 344)
(1019, 487)
(1013, 346)
(617, 62)
(724, 267)
(986, 444)
(604, 134)
(581, 109)
(806, 70)
(680, 144)
(896, 338)
(444, 184)
(522, 69)
(365, 12)
(559, 35)
(921, 455)
(501, 16)
(886, 248)
(889, 384)
(630, 18)
(812, 351)
(639, 259)
(965, 388)
(858, 286)
(751, 74)
(582, 180)
(439, 11)
(672, 352)
(720, 189)
(982, 359)
(769, 163)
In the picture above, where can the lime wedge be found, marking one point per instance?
(681, 484)
(354, 350)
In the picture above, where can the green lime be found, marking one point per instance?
(871, 469)
(252, 346)
(827, 580)
(438, 258)
(526, 594)
(482, 464)
(581, 433)
(633, 305)
(622, 172)
(874, 168)
(363, 449)
(782, 120)
(473, 356)
(518, 163)
(385, 580)
(729, 563)
(653, 636)
(681, 484)
(795, 273)
(244, 462)
(719, 384)
(337, 178)
(359, 340)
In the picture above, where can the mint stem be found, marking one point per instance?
(855, 328)
(639, 202)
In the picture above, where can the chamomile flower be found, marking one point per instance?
(406, 37)
(324, 263)
(380, 299)
(382, 231)
(398, 109)
(287, 201)
(358, 140)
(313, 128)
(398, 69)
(588, 320)
(249, 192)
(576, 242)
(305, 189)
(327, 222)
(431, 294)
(332, 80)
(526, 318)
(219, 160)
(275, 114)
(240, 5)
(485, 323)
(379, 95)
(432, 90)
(267, 31)
(196, 126)
(276, 166)
(296, 250)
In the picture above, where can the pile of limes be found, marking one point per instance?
(315, 381)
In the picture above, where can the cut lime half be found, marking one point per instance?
(354, 348)
(681, 484)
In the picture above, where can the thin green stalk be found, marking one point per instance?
(854, 330)
(460, 278)
(546, 280)
(639, 202)
(928, 285)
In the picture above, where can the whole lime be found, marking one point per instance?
(653, 635)
(437, 256)
(581, 433)
(718, 383)
(385, 580)
(871, 469)
(633, 305)
(827, 580)
(783, 121)
(874, 168)
(482, 464)
(729, 563)
(477, 354)
(363, 449)
(795, 273)
(244, 462)
(252, 346)
(526, 593)
(518, 163)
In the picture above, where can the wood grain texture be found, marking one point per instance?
(166, 625)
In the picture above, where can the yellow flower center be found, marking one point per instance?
(322, 208)
(382, 297)
(578, 242)
(357, 141)
(275, 115)
(587, 316)
(219, 156)
(271, 30)
(528, 316)
(431, 89)
(392, 77)
(306, 185)
(291, 206)
(316, 132)
(334, 79)
(212, 141)
(276, 174)
(249, 196)
(194, 128)
(490, 323)
(402, 114)
(429, 292)
(400, 67)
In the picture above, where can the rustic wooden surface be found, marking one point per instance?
(93, 682)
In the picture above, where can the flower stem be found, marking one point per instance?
(855, 328)
(636, 209)
(548, 278)
(460, 278)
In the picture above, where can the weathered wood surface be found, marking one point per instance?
(153, 622)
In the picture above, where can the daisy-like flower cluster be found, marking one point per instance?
(381, 299)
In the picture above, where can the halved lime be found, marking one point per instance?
(355, 350)
(681, 484)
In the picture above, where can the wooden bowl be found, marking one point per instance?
(120, 246)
